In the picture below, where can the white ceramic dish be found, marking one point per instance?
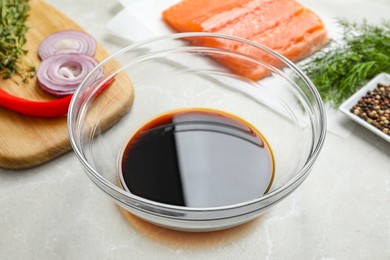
(383, 78)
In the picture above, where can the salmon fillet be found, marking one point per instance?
(282, 25)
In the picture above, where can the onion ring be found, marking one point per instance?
(67, 41)
(61, 74)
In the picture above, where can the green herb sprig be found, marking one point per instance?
(346, 64)
(13, 28)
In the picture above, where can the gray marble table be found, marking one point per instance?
(342, 211)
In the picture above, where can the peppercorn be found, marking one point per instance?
(374, 108)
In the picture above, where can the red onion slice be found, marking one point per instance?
(67, 41)
(61, 74)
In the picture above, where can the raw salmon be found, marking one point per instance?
(282, 25)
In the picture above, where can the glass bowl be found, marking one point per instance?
(207, 71)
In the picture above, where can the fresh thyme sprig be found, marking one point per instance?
(346, 64)
(13, 28)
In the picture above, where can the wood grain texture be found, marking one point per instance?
(30, 141)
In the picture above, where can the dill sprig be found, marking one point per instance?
(13, 28)
(346, 64)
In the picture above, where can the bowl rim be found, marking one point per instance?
(304, 171)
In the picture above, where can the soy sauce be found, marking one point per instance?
(197, 158)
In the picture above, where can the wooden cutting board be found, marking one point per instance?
(27, 141)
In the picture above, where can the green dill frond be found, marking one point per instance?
(347, 64)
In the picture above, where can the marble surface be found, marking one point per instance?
(340, 212)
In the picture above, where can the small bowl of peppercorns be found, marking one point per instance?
(370, 106)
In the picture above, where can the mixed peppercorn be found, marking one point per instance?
(374, 108)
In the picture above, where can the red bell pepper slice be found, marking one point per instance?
(48, 109)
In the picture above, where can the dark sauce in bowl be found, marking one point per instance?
(197, 158)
